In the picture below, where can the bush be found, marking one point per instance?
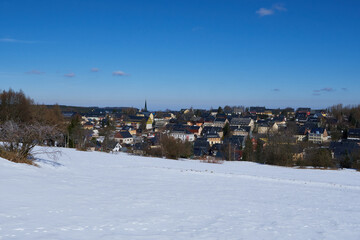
(278, 154)
(23, 125)
(174, 148)
(278, 151)
(14, 157)
(319, 158)
(18, 140)
(153, 152)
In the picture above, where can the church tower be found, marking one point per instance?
(145, 108)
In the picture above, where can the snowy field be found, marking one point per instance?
(92, 195)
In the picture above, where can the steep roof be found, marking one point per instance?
(123, 134)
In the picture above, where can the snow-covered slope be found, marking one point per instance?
(92, 195)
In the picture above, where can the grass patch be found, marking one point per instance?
(14, 157)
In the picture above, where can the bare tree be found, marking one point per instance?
(18, 140)
(23, 125)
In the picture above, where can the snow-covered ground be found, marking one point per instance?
(92, 195)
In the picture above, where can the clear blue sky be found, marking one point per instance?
(182, 53)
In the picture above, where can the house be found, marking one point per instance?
(342, 149)
(134, 121)
(160, 123)
(353, 134)
(123, 137)
(236, 141)
(213, 138)
(212, 130)
(264, 127)
(301, 134)
(290, 112)
(117, 147)
(140, 118)
(198, 121)
(213, 112)
(318, 135)
(201, 147)
(196, 130)
(220, 122)
(280, 121)
(94, 117)
(209, 121)
(242, 131)
(307, 111)
(168, 116)
(301, 117)
(242, 122)
(131, 129)
(149, 121)
(238, 110)
(148, 116)
(183, 135)
(257, 110)
(268, 112)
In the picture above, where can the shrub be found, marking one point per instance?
(174, 148)
(14, 157)
(153, 152)
(319, 157)
(18, 140)
(23, 125)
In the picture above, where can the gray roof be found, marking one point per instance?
(240, 121)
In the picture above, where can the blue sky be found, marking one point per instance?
(184, 53)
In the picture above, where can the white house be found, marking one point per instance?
(117, 147)
(318, 135)
(124, 137)
(183, 135)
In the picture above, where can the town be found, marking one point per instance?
(288, 137)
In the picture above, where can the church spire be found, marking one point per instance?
(145, 109)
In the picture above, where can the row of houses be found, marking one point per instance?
(211, 130)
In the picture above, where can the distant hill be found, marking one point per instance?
(90, 110)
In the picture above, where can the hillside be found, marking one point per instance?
(93, 195)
